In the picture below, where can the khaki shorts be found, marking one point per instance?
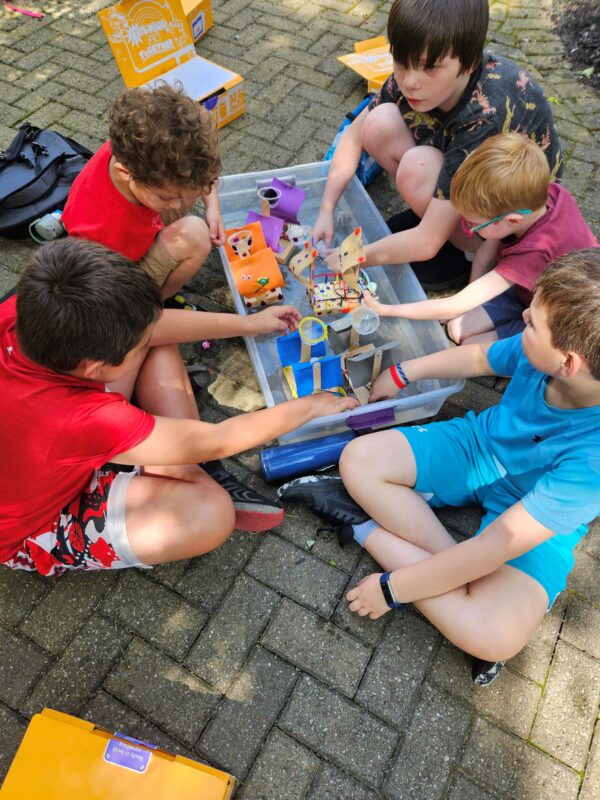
(157, 263)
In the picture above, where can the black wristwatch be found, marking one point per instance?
(388, 593)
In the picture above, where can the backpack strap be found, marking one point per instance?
(25, 133)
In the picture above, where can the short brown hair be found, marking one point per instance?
(506, 172)
(439, 28)
(163, 138)
(79, 300)
(569, 291)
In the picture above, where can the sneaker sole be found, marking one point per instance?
(255, 521)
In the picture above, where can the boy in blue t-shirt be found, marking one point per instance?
(532, 462)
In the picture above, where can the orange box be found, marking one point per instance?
(62, 757)
(199, 16)
(372, 60)
(151, 41)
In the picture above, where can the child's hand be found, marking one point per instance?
(326, 403)
(371, 302)
(383, 388)
(275, 319)
(216, 226)
(333, 260)
(367, 598)
(323, 228)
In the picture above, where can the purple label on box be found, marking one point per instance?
(127, 756)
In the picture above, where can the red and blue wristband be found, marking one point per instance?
(399, 376)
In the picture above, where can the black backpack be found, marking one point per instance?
(36, 173)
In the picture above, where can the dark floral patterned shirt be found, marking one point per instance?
(500, 97)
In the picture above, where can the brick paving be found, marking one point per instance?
(248, 658)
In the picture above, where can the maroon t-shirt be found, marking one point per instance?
(561, 230)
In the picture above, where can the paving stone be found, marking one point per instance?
(591, 783)
(584, 577)
(235, 733)
(54, 622)
(164, 692)
(170, 574)
(333, 784)
(432, 746)
(534, 659)
(565, 722)
(462, 789)
(514, 768)
(210, 577)
(368, 630)
(284, 770)
(79, 670)
(397, 669)
(12, 729)
(15, 680)
(591, 542)
(339, 730)
(46, 116)
(582, 627)
(109, 713)
(232, 632)
(19, 590)
(511, 700)
(297, 574)
(317, 647)
(164, 619)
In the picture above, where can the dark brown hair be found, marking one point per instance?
(165, 138)
(438, 28)
(79, 300)
(569, 291)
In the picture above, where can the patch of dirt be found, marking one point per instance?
(578, 24)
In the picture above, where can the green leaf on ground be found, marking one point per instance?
(588, 72)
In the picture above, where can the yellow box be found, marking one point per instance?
(372, 60)
(65, 758)
(199, 16)
(151, 41)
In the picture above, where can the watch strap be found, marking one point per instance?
(388, 593)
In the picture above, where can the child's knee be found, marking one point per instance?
(381, 127)
(418, 164)
(454, 329)
(356, 457)
(187, 238)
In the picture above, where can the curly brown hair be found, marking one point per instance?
(164, 138)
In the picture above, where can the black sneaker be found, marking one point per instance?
(326, 497)
(200, 376)
(253, 511)
(447, 269)
(484, 672)
(181, 301)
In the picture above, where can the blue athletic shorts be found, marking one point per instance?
(455, 468)
(506, 312)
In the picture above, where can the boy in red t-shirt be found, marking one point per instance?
(134, 194)
(85, 333)
(503, 192)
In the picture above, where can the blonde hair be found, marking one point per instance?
(506, 172)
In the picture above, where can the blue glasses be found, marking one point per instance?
(471, 231)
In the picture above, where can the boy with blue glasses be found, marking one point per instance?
(522, 221)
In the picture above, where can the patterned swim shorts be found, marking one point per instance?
(88, 534)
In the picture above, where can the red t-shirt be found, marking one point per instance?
(54, 431)
(561, 230)
(97, 210)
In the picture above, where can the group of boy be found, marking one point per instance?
(110, 464)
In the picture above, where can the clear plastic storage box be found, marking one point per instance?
(396, 283)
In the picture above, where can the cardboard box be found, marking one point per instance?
(372, 60)
(62, 757)
(199, 16)
(151, 42)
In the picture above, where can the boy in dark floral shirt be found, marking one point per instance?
(445, 96)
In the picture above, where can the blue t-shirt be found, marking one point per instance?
(551, 455)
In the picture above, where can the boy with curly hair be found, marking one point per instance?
(523, 221)
(135, 192)
(446, 95)
(133, 197)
